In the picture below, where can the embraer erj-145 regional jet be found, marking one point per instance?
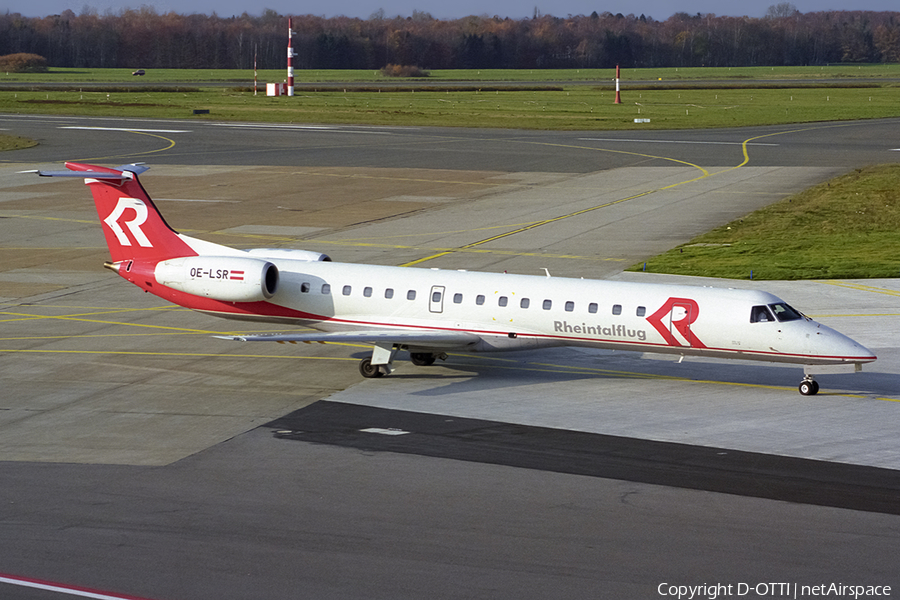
(429, 312)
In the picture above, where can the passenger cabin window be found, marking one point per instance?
(524, 303)
(479, 299)
(457, 298)
(592, 307)
(641, 311)
(435, 296)
(617, 309)
(760, 314)
(411, 295)
(367, 292)
(389, 293)
(346, 290)
(326, 288)
(570, 306)
(548, 304)
(304, 287)
(783, 312)
(502, 301)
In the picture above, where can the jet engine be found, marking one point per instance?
(289, 254)
(225, 278)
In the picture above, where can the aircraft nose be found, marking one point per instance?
(844, 348)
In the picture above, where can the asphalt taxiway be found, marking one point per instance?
(142, 457)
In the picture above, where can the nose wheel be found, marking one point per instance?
(809, 386)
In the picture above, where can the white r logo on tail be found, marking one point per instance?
(134, 225)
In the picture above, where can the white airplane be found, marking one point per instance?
(431, 311)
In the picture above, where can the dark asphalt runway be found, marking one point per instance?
(312, 506)
(844, 145)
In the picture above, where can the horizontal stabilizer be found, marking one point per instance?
(94, 172)
(437, 339)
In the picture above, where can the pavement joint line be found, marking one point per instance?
(88, 314)
(27, 317)
(433, 233)
(45, 218)
(171, 354)
(416, 179)
(81, 336)
(529, 227)
(835, 316)
(860, 287)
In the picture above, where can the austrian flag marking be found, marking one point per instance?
(237, 275)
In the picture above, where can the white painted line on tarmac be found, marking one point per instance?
(266, 126)
(381, 431)
(297, 127)
(674, 142)
(127, 129)
(63, 589)
(194, 200)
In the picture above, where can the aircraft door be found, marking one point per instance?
(436, 299)
(673, 322)
(683, 313)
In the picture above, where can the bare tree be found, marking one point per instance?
(781, 10)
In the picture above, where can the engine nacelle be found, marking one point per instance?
(290, 254)
(225, 278)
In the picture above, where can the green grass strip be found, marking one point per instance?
(12, 142)
(846, 228)
(567, 108)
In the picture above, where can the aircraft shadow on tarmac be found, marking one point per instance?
(471, 373)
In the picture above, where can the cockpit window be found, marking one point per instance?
(760, 314)
(783, 312)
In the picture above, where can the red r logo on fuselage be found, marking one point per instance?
(678, 313)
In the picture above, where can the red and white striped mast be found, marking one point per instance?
(618, 99)
(291, 55)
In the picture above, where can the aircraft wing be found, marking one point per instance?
(432, 339)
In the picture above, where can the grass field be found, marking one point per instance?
(245, 76)
(847, 228)
(574, 108)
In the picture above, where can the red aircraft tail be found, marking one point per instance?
(133, 227)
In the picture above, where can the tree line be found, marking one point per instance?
(143, 38)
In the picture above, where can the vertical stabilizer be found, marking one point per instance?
(133, 227)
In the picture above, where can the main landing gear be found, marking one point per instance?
(368, 370)
(809, 386)
(422, 359)
(379, 364)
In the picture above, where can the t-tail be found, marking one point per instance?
(133, 227)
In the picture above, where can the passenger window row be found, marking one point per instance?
(502, 301)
